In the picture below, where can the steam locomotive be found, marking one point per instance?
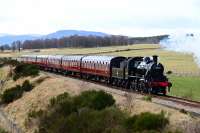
(142, 74)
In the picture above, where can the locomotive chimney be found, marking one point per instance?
(155, 58)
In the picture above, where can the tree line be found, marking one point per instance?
(82, 42)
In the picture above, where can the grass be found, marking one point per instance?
(187, 87)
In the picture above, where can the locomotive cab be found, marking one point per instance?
(131, 68)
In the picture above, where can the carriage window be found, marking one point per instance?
(87, 64)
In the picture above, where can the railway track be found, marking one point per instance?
(177, 101)
(182, 101)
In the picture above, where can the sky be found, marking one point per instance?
(125, 17)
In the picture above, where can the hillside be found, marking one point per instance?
(52, 86)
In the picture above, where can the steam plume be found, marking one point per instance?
(187, 43)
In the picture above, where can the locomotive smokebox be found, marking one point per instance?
(155, 58)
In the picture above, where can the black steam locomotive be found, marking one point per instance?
(143, 74)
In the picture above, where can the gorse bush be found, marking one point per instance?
(94, 121)
(146, 121)
(27, 86)
(95, 100)
(70, 112)
(93, 112)
(24, 70)
(12, 94)
(16, 92)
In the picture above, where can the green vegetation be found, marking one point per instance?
(94, 100)
(147, 98)
(2, 130)
(16, 92)
(187, 87)
(93, 112)
(12, 94)
(146, 121)
(27, 86)
(25, 70)
(8, 61)
(20, 69)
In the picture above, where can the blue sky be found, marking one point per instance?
(128, 17)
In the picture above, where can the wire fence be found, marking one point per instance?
(8, 124)
(187, 74)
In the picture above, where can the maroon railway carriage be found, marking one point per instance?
(42, 61)
(54, 62)
(100, 66)
(72, 63)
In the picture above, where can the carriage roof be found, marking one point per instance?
(72, 57)
(101, 58)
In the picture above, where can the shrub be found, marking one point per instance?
(59, 99)
(87, 121)
(169, 72)
(8, 61)
(92, 112)
(16, 92)
(24, 70)
(147, 98)
(12, 94)
(2, 131)
(147, 121)
(27, 86)
(95, 99)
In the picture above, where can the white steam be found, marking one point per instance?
(187, 43)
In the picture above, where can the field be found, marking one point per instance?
(186, 73)
(177, 62)
(187, 87)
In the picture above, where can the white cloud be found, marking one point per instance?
(131, 17)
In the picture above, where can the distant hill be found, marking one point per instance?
(8, 39)
(63, 33)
